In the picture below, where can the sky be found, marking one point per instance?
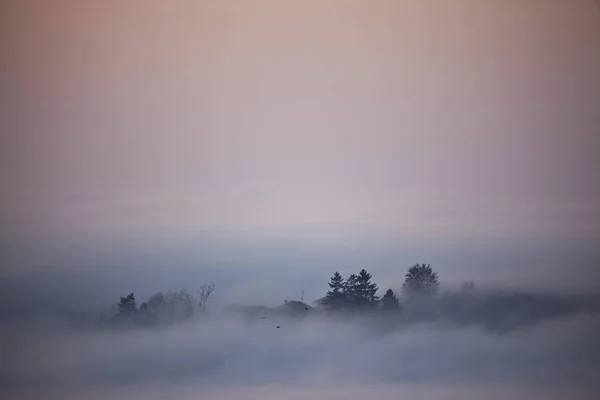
(330, 121)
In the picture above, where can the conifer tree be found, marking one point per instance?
(390, 302)
(334, 299)
(360, 291)
(127, 305)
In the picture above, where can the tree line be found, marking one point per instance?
(163, 308)
(496, 311)
(359, 293)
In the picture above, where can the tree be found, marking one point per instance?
(172, 306)
(349, 289)
(334, 299)
(204, 292)
(188, 301)
(390, 302)
(145, 316)
(127, 305)
(468, 286)
(420, 279)
(360, 291)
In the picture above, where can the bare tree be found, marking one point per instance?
(204, 293)
(188, 301)
(172, 306)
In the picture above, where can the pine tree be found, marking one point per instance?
(390, 302)
(360, 291)
(127, 305)
(334, 299)
(349, 291)
(367, 290)
(420, 279)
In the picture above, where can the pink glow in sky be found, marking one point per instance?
(416, 118)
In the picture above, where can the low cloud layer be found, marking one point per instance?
(218, 357)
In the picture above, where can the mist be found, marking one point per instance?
(527, 330)
(63, 338)
(532, 346)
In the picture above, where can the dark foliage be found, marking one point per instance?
(420, 279)
(360, 292)
(390, 302)
(145, 316)
(335, 297)
(127, 305)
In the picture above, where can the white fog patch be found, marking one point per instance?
(228, 352)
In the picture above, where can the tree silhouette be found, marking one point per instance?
(188, 301)
(204, 293)
(360, 291)
(334, 299)
(172, 306)
(420, 279)
(349, 291)
(468, 286)
(145, 316)
(390, 302)
(127, 305)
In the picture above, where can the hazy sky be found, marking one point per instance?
(463, 118)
